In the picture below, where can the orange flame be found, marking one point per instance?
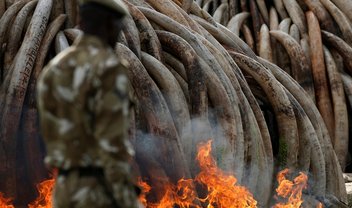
(320, 205)
(291, 190)
(145, 190)
(5, 202)
(44, 199)
(182, 194)
(222, 188)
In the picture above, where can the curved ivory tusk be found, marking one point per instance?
(186, 5)
(7, 17)
(311, 151)
(297, 15)
(71, 11)
(50, 34)
(132, 36)
(257, 20)
(282, 57)
(61, 42)
(340, 18)
(294, 32)
(248, 37)
(155, 111)
(72, 34)
(196, 10)
(332, 168)
(192, 24)
(2, 7)
(345, 7)
(301, 71)
(284, 25)
(263, 10)
(148, 38)
(233, 8)
(279, 5)
(347, 84)
(265, 44)
(319, 73)
(221, 14)
(15, 33)
(58, 8)
(325, 19)
(340, 137)
(281, 104)
(167, 8)
(174, 98)
(236, 22)
(341, 46)
(17, 88)
(274, 19)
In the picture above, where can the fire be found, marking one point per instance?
(291, 190)
(182, 194)
(44, 199)
(221, 187)
(145, 190)
(5, 202)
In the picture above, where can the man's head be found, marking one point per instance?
(102, 18)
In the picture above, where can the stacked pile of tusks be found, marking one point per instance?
(248, 74)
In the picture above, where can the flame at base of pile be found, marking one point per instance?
(44, 199)
(5, 202)
(222, 188)
(291, 190)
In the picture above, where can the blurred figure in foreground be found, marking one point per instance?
(84, 114)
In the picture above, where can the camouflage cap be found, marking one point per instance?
(115, 5)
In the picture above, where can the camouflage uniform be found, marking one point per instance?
(83, 104)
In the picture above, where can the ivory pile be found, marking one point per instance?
(258, 81)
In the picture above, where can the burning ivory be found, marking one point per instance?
(215, 188)
(183, 64)
(222, 189)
